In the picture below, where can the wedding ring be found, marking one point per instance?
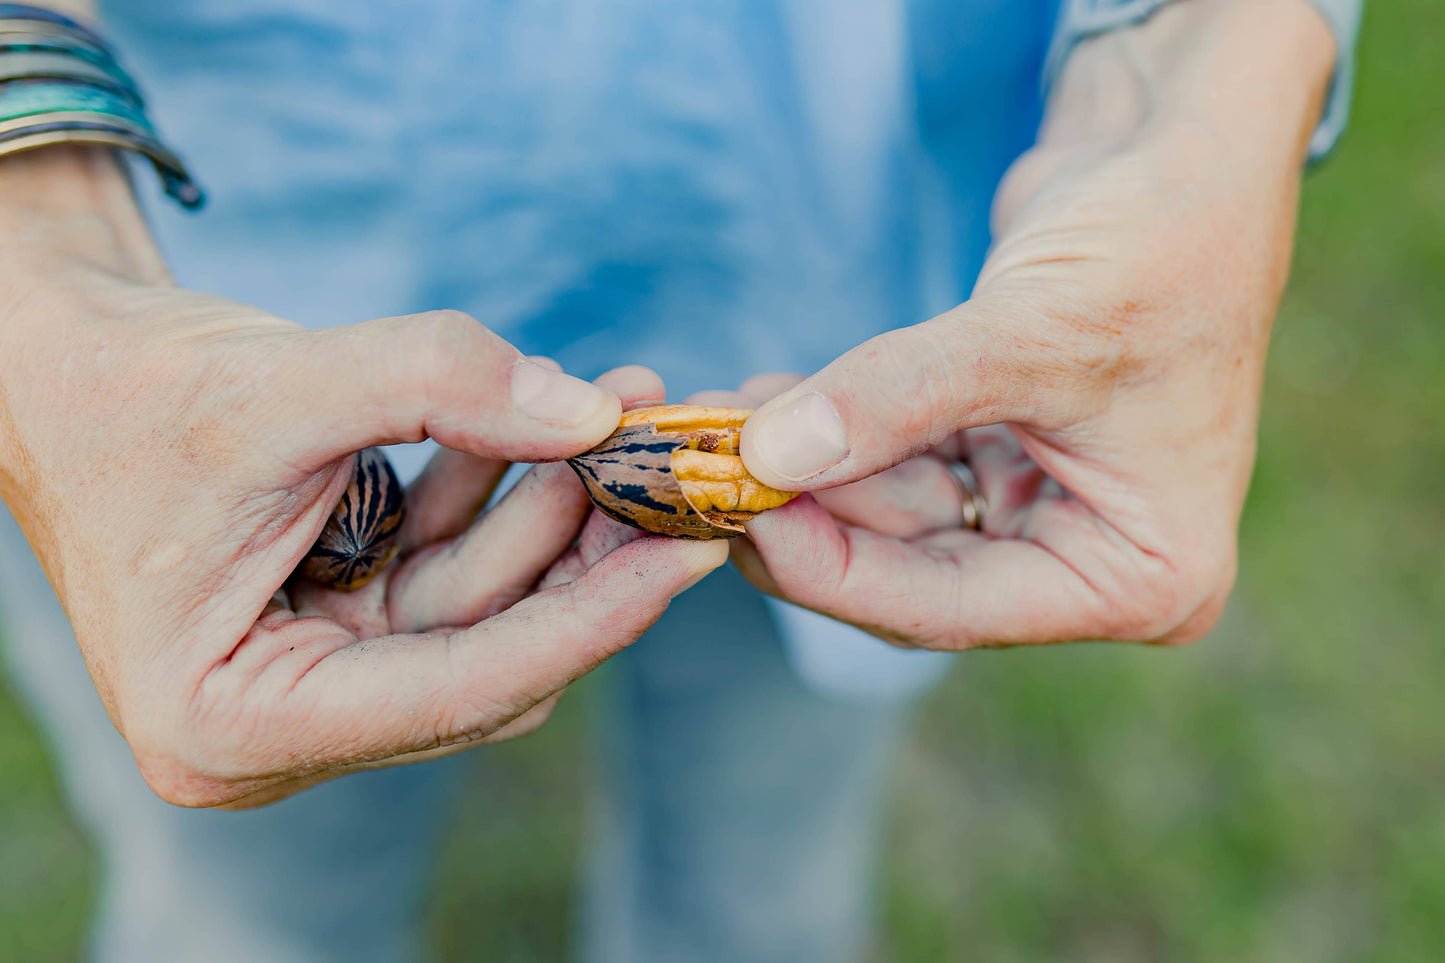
(969, 494)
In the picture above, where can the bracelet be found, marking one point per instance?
(60, 84)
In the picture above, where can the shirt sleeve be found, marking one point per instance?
(1082, 19)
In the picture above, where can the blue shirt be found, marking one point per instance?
(713, 188)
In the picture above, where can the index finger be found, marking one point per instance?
(325, 701)
(956, 589)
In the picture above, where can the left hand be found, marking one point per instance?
(499, 610)
(1103, 381)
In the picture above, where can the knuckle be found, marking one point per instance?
(1173, 604)
(195, 759)
(450, 332)
(460, 345)
(476, 717)
(442, 347)
(526, 724)
(874, 370)
(442, 334)
(1023, 177)
(448, 322)
(1196, 626)
(461, 726)
(181, 784)
(1198, 623)
(1142, 618)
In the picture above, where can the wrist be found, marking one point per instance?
(71, 206)
(69, 230)
(1244, 80)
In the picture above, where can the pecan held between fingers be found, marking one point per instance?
(675, 470)
(362, 535)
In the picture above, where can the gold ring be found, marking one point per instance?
(969, 494)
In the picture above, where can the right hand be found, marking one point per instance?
(172, 456)
(1103, 380)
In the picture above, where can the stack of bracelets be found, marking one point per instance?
(60, 84)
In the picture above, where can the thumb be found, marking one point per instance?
(441, 375)
(891, 398)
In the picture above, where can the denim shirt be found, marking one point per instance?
(1081, 19)
(714, 188)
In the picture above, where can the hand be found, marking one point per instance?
(1104, 379)
(171, 456)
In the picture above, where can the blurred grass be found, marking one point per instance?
(46, 869)
(1274, 794)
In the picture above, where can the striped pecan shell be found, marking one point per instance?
(675, 470)
(360, 537)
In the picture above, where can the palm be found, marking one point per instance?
(319, 666)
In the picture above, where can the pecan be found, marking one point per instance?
(675, 470)
(360, 537)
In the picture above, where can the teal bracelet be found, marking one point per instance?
(49, 64)
(16, 45)
(60, 84)
(28, 98)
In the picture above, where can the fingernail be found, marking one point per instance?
(802, 438)
(552, 396)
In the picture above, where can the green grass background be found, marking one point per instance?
(1275, 793)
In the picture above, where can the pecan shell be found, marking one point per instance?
(675, 470)
(360, 537)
